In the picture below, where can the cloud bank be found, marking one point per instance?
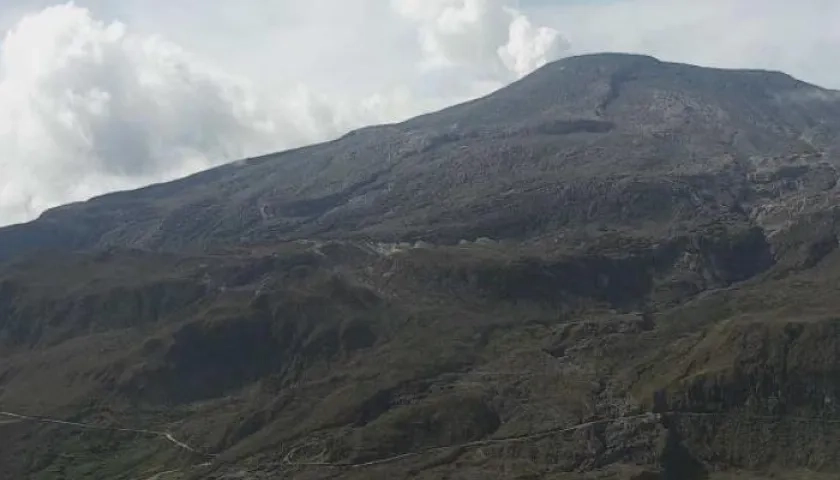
(88, 106)
(495, 41)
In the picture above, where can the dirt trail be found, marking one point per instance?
(288, 459)
(16, 417)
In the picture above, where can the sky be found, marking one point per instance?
(102, 95)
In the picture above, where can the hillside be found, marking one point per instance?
(616, 268)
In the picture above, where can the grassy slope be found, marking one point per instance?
(348, 355)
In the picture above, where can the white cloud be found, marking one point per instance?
(529, 47)
(86, 107)
(490, 37)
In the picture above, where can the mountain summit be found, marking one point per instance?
(615, 268)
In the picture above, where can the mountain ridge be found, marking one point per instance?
(579, 110)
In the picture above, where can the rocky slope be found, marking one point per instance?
(614, 268)
(593, 142)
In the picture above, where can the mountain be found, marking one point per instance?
(611, 141)
(615, 268)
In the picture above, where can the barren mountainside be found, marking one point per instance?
(615, 268)
(615, 141)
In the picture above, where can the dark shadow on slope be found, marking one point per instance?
(677, 462)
